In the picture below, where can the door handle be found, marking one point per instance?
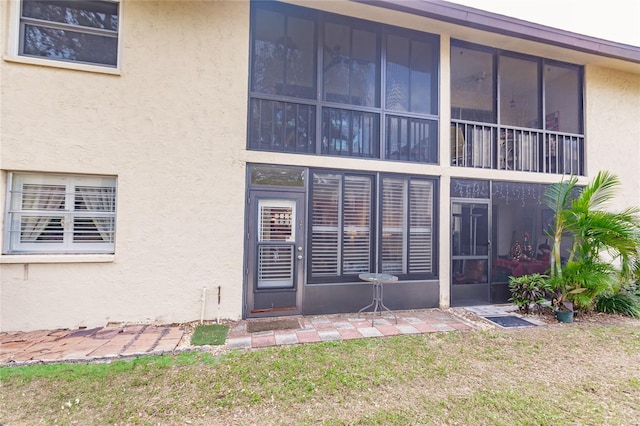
(299, 257)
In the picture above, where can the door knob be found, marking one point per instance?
(299, 257)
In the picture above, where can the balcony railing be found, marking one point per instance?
(490, 146)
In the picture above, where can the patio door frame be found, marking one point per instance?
(472, 293)
(277, 299)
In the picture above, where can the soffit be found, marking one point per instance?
(489, 29)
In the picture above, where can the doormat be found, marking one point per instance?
(276, 324)
(510, 321)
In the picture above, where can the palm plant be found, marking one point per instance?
(595, 231)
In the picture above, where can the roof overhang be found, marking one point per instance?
(511, 27)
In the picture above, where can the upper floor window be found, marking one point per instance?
(75, 31)
(60, 214)
(501, 87)
(515, 112)
(317, 86)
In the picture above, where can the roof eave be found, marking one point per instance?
(509, 26)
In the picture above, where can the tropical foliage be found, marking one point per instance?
(529, 292)
(605, 250)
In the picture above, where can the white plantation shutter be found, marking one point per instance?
(326, 219)
(356, 242)
(394, 236)
(420, 226)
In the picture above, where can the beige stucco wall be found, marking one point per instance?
(171, 127)
(612, 113)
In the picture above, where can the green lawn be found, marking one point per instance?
(580, 374)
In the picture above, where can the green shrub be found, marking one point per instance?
(529, 291)
(619, 303)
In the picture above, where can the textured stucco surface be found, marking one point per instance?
(172, 128)
(613, 128)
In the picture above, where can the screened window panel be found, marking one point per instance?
(519, 94)
(472, 85)
(411, 139)
(350, 133)
(356, 238)
(563, 99)
(350, 71)
(394, 226)
(410, 83)
(325, 241)
(284, 59)
(282, 126)
(420, 226)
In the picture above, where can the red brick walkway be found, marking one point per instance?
(347, 326)
(87, 344)
(95, 344)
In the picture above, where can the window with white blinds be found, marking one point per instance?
(407, 222)
(341, 225)
(61, 214)
(344, 235)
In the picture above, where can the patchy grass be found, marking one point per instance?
(577, 374)
(212, 334)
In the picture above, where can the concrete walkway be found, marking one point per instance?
(107, 343)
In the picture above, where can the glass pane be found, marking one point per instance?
(519, 94)
(470, 223)
(468, 188)
(394, 233)
(472, 85)
(350, 65)
(350, 133)
(424, 83)
(410, 84)
(277, 176)
(43, 197)
(276, 242)
(41, 229)
(471, 271)
(92, 230)
(357, 225)
(563, 105)
(420, 226)
(363, 68)
(301, 58)
(69, 45)
(95, 198)
(397, 87)
(411, 140)
(282, 126)
(337, 59)
(326, 200)
(269, 50)
(94, 14)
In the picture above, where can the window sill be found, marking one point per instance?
(57, 258)
(61, 64)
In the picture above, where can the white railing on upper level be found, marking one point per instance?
(490, 146)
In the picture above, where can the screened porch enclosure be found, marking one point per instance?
(498, 229)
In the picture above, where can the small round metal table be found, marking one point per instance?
(378, 280)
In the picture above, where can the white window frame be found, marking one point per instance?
(14, 46)
(72, 219)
